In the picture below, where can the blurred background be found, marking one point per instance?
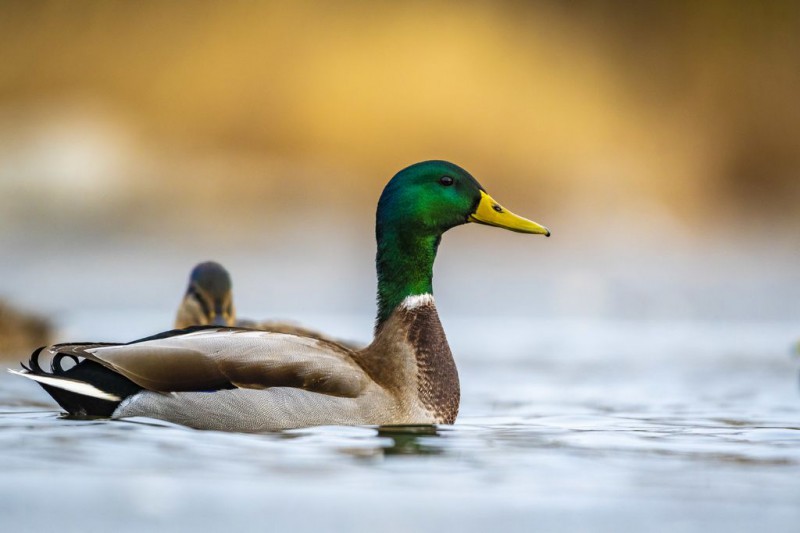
(632, 369)
(659, 142)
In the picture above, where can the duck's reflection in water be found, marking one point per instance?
(398, 440)
(369, 442)
(411, 440)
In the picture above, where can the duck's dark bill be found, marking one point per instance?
(493, 214)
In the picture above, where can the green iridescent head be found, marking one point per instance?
(417, 206)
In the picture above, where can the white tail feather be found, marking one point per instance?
(67, 384)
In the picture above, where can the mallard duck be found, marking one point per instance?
(242, 380)
(20, 331)
(209, 301)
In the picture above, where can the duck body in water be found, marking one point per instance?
(20, 331)
(208, 300)
(234, 379)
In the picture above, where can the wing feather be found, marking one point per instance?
(214, 359)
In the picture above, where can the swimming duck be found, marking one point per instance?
(242, 380)
(209, 301)
(20, 331)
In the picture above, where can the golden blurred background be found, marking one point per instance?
(660, 141)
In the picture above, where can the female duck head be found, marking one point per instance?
(208, 299)
(417, 206)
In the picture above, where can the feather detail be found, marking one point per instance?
(417, 300)
(71, 385)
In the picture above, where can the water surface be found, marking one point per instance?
(564, 426)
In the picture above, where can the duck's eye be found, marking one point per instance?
(446, 181)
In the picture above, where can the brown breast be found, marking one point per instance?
(410, 357)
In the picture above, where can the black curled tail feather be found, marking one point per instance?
(86, 371)
(33, 363)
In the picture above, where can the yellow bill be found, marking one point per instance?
(491, 213)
